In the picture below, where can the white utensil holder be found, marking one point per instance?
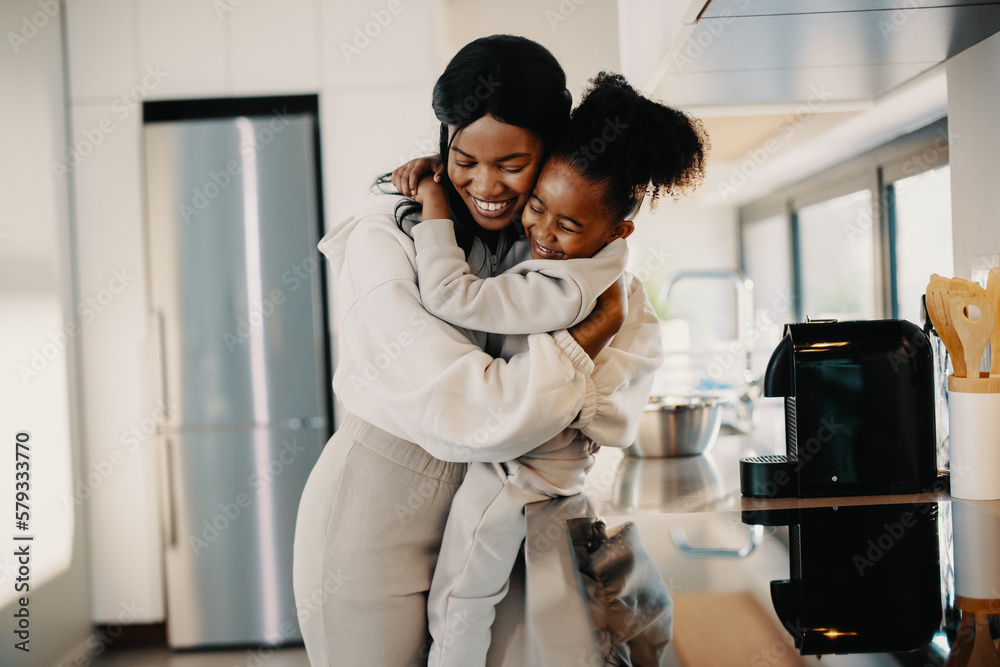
(974, 419)
(977, 539)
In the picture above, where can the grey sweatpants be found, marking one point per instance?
(367, 535)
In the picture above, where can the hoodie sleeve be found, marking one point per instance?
(534, 296)
(618, 389)
(422, 379)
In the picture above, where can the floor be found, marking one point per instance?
(132, 656)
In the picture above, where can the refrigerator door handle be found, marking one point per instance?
(168, 511)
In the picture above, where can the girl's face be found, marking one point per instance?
(565, 217)
(493, 167)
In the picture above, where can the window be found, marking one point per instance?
(859, 240)
(836, 251)
(921, 217)
(767, 261)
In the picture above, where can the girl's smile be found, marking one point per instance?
(566, 216)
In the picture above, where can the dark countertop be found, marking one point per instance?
(687, 510)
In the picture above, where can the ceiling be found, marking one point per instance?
(751, 52)
(845, 75)
(734, 136)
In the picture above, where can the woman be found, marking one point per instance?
(421, 397)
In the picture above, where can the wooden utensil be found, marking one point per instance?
(974, 334)
(939, 311)
(993, 289)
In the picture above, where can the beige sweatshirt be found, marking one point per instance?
(429, 382)
(534, 296)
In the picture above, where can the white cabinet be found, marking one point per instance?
(119, 482)
(188, 40)
(366, 134)
(100, 48)
(275, 46)
(378, 42)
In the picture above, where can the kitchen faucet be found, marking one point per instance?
(748, 387)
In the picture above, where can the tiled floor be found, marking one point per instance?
(125, 656)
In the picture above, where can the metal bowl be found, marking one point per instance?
(677, 426)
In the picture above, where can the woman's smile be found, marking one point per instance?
(493, 167)
(492, 208)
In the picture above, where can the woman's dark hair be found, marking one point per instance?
(631, 146)
(515, 80)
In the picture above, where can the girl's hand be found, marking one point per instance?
(406, 177)
(596, 331)
(430, 195)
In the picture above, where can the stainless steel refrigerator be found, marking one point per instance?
(241, 352)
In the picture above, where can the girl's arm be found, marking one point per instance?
(534, 296)
(424, 380)
(623, 374)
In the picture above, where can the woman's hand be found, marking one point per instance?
(406, 177)
(596, 331)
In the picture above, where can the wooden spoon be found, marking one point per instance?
(939, 311)
(974, 334)
(993, 289)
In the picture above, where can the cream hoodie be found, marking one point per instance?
(428, 382)
(535, 296)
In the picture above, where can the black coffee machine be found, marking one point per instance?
(862, 579)
(859, 412)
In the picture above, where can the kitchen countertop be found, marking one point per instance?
(687, 509)
(620, 485)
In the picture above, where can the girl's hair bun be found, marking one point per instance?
(633, 146)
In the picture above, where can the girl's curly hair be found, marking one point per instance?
(632, 147)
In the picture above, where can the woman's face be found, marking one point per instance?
(493, 167)
(565, 217)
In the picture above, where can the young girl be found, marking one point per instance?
(621, 147)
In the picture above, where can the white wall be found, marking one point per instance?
(689, 234)
(375, 111)
(583, 36)
(38, 342)
(974, 148)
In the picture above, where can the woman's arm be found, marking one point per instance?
(623, 374)
(608, 316)
(534, 296)
(422, 379)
